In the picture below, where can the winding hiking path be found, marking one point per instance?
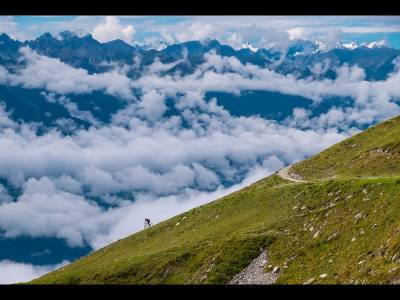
(284, 173)
(254, 273)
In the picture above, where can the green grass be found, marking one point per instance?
(372, 153)
(344, 226)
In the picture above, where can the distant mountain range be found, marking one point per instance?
(83, 51)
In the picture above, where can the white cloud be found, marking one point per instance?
(111, 29)
(205, 178)
(44, 211)
(14, 272)
(261, 37)
(212, 76)
(5, 120)
(71, 107)
(152, 105)
(4, 196)
(11, 27)
(196, 31)
(42, 72)
(56, 76)
(320, 68)
(328, 38)
(370, 29)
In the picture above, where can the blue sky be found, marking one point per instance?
(143, 29)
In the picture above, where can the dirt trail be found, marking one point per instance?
(255, 274)
(284, 173)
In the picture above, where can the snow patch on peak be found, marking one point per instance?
(351, 45)
(154, 43)
(247, 45)
(370, 45)
(377, 44)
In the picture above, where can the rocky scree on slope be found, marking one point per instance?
(255, 274)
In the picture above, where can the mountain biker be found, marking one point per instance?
(147, 222)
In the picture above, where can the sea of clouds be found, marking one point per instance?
(97, 185)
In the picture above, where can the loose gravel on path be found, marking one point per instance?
(284, 173)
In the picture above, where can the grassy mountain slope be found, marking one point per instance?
(372, 153)
(344, 226)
